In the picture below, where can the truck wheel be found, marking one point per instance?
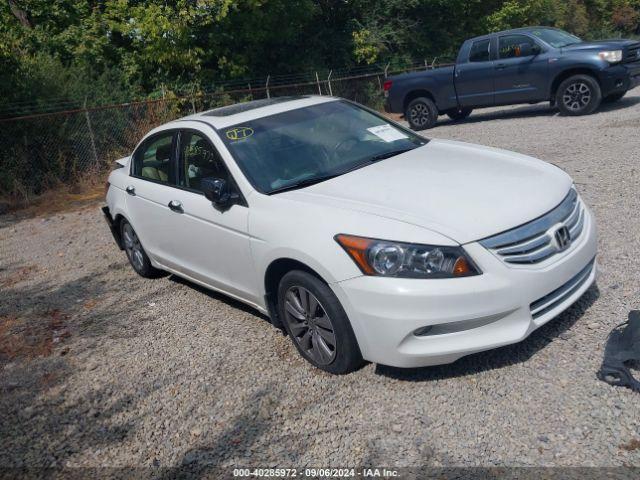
(421, 113)
(578, 95)
(457, 114)
(615, 97)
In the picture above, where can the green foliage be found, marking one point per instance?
(113, 49)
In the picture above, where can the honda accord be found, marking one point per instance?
(358, 237)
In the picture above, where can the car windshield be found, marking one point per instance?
(556, 38)
(304, 146)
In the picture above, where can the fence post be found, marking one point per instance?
(379, 82)
(329, 83)
(318, 82)
(193, 102)
(250, 91)
(386, 70)
(266, 86)
(93, 141)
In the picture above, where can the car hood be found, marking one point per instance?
(614, 44)
(465, 192)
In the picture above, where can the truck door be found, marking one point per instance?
(521, 70)
(474, 76)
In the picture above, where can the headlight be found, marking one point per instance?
(612, 56)
(395, 259)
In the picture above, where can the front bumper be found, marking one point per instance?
(467, 315)
(619, 78)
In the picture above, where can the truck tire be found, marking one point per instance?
(457, 114)
(421, 113)
(578, 95)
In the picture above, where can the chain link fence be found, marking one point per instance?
(43, 151)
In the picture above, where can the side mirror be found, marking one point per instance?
(217, 190)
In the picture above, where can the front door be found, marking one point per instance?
(474, 78)
(212, 246)
(521, 70)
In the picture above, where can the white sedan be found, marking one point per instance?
(363, 240)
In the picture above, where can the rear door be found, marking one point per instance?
(520, 75)
(474, 75)
(152, 178)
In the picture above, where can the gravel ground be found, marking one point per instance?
(99, 367)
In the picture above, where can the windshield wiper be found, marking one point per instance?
(392, 153)
(307, 182)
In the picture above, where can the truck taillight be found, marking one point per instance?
(386, 86)
(106, 189)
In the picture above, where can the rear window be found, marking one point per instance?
(479, 51)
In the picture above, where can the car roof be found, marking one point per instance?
(513, 30)
(246, 111)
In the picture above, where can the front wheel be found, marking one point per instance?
(457, 114)
(317, 323)
(421, 113)
(578, 95)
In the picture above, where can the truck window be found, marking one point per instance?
(510, 46)
(479, 51)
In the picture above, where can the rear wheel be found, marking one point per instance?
(457, 114)
(317, 323)
(615, 97)
(135, 253)
(578, 95)
(421, 113)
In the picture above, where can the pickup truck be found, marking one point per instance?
(525, 65)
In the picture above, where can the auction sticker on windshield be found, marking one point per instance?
(387, 133)
(238, 133)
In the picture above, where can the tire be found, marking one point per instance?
(138, 258)
(615, 97)
(421, 113)
(578, 95)
(314, 319)
(457, 114)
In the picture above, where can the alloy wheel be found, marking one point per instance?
(310, 325)
(576, 96)
(133, 247)
(420, 114)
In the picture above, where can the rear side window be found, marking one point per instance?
(480, 51)
(154, 159)
(510, 46)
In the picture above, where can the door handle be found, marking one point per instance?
(500, 66)
(176, 206)
(131, 190)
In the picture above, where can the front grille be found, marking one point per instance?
(532, 242)
(559, 295)
(631, 53)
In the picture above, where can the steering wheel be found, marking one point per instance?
(343, 145)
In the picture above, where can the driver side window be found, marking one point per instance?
(199, 160)
(511, 46)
